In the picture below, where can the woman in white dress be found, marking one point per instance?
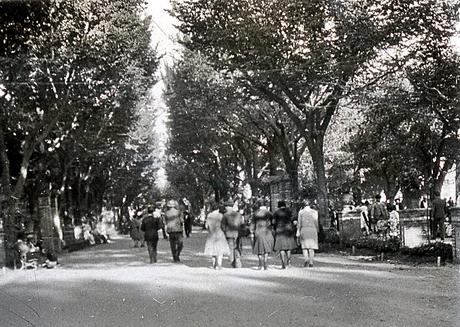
(216, 243)
(307, 232)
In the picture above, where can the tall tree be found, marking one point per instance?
(66, 66)
(307, 55)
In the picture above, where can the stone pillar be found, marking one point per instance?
(455, 214)
(414, 225)
(350, 224)
(46, 222)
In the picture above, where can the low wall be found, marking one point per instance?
(414, 226)
(455, 214)
(350, 224)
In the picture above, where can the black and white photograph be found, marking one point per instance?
(229, 163)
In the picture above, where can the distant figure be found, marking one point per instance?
(261, 228)
(438, 215)
(135, 230)
(307, 232)
(188, 222)
(378, 215)
(150, 226)
(231, 224)
(216, 244)
(424, 203)
(159, 207)
(364, 217)
(284, 234)
(450, 205)
(174, 227)
(393, 221)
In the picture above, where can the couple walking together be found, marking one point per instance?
(223, 225)
(174, 222)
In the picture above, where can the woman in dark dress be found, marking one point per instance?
(261, 232)
(284, 233)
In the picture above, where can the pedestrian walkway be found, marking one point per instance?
(113, 285)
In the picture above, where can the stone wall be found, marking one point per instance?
(414, 226)
(350, 224)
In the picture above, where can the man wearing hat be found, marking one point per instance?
(174, 227)
(231, 223)
(150, 226)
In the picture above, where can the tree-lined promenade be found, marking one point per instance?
(335, 95)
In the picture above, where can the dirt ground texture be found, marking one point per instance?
(113, 285)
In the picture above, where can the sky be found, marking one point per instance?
(163, 39)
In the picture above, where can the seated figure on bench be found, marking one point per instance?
(23, 255)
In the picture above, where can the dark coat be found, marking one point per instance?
(150, 226)
(231, 223)
(438, 209)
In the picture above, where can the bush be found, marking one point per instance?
(437, 249)
(390, 245)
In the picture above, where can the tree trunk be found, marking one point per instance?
(316, 149)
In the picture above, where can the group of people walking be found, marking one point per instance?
(269, 232)
(277, 232)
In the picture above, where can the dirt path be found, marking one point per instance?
(112, 285)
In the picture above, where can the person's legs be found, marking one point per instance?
(283, 259)
(219, 261)
(154, 249)
(439, 228)
(311, 256)
(179, 245)
(172, 244)
(305, 257)
(150, 250)
(288, 252)
(265, 261)
(237, 253)
(214, 261)
(260, 261)
(231, 246)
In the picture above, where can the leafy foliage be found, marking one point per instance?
(307, 56)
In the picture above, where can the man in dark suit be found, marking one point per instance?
(438, 215)
(150, 226)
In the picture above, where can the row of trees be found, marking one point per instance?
(261, 82)
(73, 75)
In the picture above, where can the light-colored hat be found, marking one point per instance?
(171, 204)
